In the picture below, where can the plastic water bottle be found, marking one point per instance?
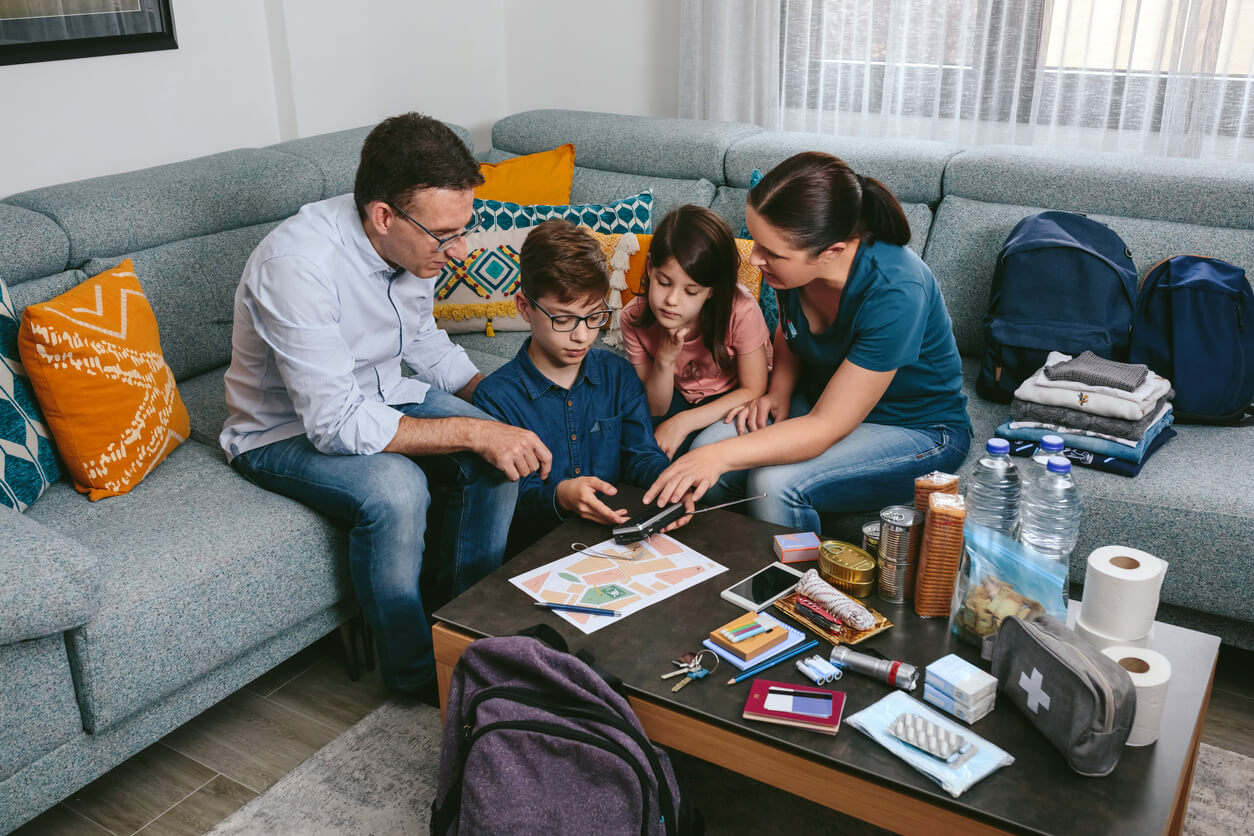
(993, 489)
(1033, 470)
(1051, 513)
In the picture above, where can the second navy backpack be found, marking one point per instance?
(1195, 326)
(1063, 282)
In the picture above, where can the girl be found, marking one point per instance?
(696, 337)
(866, 393)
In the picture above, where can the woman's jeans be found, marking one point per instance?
(873, 466)
(383, 498)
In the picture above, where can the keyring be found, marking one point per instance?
(712, 653)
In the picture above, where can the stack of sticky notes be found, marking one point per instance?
(797, 548)
(955, 685)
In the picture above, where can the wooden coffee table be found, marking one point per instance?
(1147, 793)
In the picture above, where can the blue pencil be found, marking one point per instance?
(757, 669)
(577, 608)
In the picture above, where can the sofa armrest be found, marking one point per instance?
(48, 583)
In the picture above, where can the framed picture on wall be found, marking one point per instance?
(52, 30)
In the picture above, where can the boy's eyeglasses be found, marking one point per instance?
(441, 244)
(569, 322)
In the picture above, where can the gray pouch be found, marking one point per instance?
(1079, 699)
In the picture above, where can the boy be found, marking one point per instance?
(587, 405)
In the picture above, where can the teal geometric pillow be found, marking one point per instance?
(631, 214)
(28, 461)
(766, 299)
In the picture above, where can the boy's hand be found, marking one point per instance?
(580, 495)
(670, 434)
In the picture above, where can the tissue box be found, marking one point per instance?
(961, 681)
(797, 548)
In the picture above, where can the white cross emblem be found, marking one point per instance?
(1031, 685)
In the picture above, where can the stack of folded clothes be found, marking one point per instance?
(1117, 413)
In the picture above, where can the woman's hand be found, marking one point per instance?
(580, 495)
(695, 471)
(670, 434)
(758, 413)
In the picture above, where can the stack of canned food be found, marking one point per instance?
(901, 531)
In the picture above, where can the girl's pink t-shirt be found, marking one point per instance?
(697, 376)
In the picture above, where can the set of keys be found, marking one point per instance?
(689, 666)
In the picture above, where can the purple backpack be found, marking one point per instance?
(537, 742)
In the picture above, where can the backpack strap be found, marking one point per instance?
(547, 635)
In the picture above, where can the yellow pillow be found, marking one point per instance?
(533, 178)
(94, 358)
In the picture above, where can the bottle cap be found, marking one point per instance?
(997, 446)
(1057, 464)
(1052, 443)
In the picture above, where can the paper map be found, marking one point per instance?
(646, 572)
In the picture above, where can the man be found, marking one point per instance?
(329, 304)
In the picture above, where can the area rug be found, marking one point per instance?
(379, 777)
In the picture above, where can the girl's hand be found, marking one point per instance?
(670, 434)
(695, 471)
(673, 343)
(580, 495)
(757, 414)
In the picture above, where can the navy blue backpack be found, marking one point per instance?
(1194, 325)
(1063, 282)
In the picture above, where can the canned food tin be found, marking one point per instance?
(845, 562)
(901, 532)
(857, 590)
(871, 537)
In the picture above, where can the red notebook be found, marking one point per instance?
(795, 705)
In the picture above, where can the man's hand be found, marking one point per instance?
(695, 471)
(580, 495)
(757, 414)
(513, 451)
(670, 434)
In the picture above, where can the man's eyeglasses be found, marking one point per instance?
(441, 244)
(569, 322)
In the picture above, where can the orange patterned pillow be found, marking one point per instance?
(93, 356)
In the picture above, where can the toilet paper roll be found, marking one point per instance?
(1150, 672)
(1121, 591)
(1102, 641)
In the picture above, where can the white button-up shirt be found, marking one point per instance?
(321, 325)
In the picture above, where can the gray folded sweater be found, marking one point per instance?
(1092, 370)
(1021, 410)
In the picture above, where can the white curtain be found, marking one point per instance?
(1170, 77)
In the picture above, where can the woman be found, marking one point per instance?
(866, 393)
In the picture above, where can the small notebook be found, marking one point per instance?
(817, 709)
(795, 637)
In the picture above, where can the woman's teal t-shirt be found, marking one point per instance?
(891, 316)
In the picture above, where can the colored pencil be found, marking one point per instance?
(757, 669)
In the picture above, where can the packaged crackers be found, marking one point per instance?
(930, 483)
(941, 554)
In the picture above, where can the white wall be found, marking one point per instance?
(254, 72)
(65, 120)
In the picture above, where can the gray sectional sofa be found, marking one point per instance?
(122, 619)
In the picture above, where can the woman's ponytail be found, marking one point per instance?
(882, 216)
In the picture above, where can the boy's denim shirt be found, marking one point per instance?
(600, 427)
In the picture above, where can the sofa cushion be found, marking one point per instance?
(33, 245)
(1173, 509)
(93, 355)
(542, 177)
(628, 214)
(337, 154)
(205, 396)
(197, 565)
(912, 169)
(191, 287)
(121, 213)
(28, 461)
(48, 583)
(1212, 194)
(679, 149)
(966, 236)
(37, 692)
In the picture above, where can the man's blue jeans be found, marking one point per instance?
(873, 466)
(384, 498)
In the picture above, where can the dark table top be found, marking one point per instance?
(1038, 793)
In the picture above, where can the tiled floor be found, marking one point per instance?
(202, 772)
